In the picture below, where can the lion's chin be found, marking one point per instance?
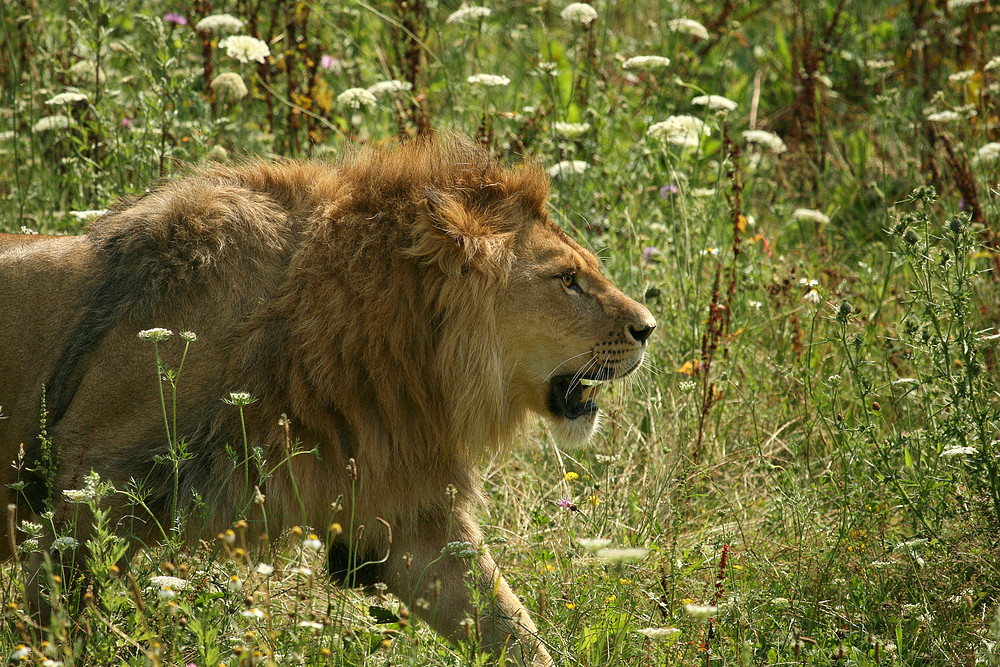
(574, 433)
(575, 416)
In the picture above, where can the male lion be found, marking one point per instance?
(405, 308)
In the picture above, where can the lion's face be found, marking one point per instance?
(573, 331)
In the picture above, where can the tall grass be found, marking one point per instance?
(811, 460)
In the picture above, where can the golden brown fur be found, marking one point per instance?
(406, 308)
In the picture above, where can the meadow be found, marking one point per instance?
(805, 195)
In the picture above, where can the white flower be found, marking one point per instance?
(660, 634)
(681, 130)
(312, 542)
(304, 570)
(312, 625)
(768, 140)
(571, 130)
(91, 214)
(164, 581)
(621, 555)
(879, 64)
(189, 336)
(993, 63)
(756, 305)
(946, 116)
(709, 251)
(232, 83)
(579, 12)
(468, 14)
(961, 4)
(959, 451)
(715, 102)
(781, 603)
(235, 585)
(700, 611)
(239, 399)
(488, 80)
(391, 86)
(156, 334)
(65, 542)
(264, 569)
(166, 593)
(961, 77)
(823, 79)
(254, 612)
(245, 48)
(812, 296)
(567, 168)
(646, 62)
(357, 98)
(689, 27)
(810, 215)
(22, 652)
(57, 122)
(68, 97)
(593, 544)
(76, 495)
(219, 23)
(702, 192)
(988, 153)
(86, 70)
(808, 282)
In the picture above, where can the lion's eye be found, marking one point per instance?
(569, 281)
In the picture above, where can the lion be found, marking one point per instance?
(399, 314)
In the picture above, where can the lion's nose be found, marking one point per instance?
(640, 334)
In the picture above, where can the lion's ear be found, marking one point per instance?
(449, 234)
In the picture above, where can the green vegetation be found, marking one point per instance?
(811, 459)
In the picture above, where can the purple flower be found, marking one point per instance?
(650, 254)
(961, 204)
(667, 190)
(174, 17)
(328, 62)
(567, 504)
(126, 122)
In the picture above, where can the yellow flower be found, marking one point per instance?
(570, 476)
(593, 500)
(611, 598)
(571, 605)
(624, 582)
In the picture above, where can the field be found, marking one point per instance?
(804, 194)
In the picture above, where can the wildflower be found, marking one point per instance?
(235, 585)
(567, 168)
(76, 495)
(189, 336)
(254, 612)
(303, 570)
(650, 254)
(715, 102)
(680, 130)
(312, 542)
(808, 282)
(166, 593)
(687, 385)
(91, 214)
(961, 4)
(593, 544)
(689, 27)
(488, 80)
(988, 153)
(700, 611)
(22, 652)
(879, 64)
(328, 62)
(812, 296)
(65, 542)
(312, 625)
(709, 251)
(175, 18)
(646, 62)
(621, 555)
(946, 116)
(176, 583)
(570, 476)
(229, 537)
(567, 504)
(660, 634)
(593, 501)
(765, 139)
(357, 98)
(245, 48)
(57, 122)
(571, 605)
(391, 86)
(219, 23)
(780, 603)
(69, 97)
(690, 367)
(468, 14)
(571, 130)
(156, 334)
(460, 550)
(961, 77)
(992, 63)
(239, 399)
(230, 82)
(756, 305)
(579, 12)
(959, 451)
(810, 215)
(668, 189)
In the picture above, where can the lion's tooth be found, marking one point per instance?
(588, 383)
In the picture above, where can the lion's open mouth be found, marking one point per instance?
(572, 397)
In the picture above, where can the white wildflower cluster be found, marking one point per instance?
(567, 168)
(962, 4)
(879, 64)
(468, 14)
(715, 102)
(155, 334)
(621, 555)
(700, 611)
(767, 140)
(389, 87)
(232, 83)
(646, 62)
(357, 98)
(245, 48)
(69, 97)
(46, 123)
(593, 544)
(946, 116)
(961, 77)
(680, 130)
(86, 70)
(571, 130)
(660, 634)
(219, 23)
(688, 27)
(488, 80)
(959, 451)
(579, 12)
(64, 543)
(165, 581)
(992, 64)
(810, 215)
(987, 154)
(89, 214)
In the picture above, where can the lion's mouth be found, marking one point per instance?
(572, 397)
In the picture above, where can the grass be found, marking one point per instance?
(813, 451)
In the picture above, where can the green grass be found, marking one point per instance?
(801, 475)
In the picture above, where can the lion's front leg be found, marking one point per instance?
(433, 580)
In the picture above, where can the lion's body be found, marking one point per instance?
(367, 302)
